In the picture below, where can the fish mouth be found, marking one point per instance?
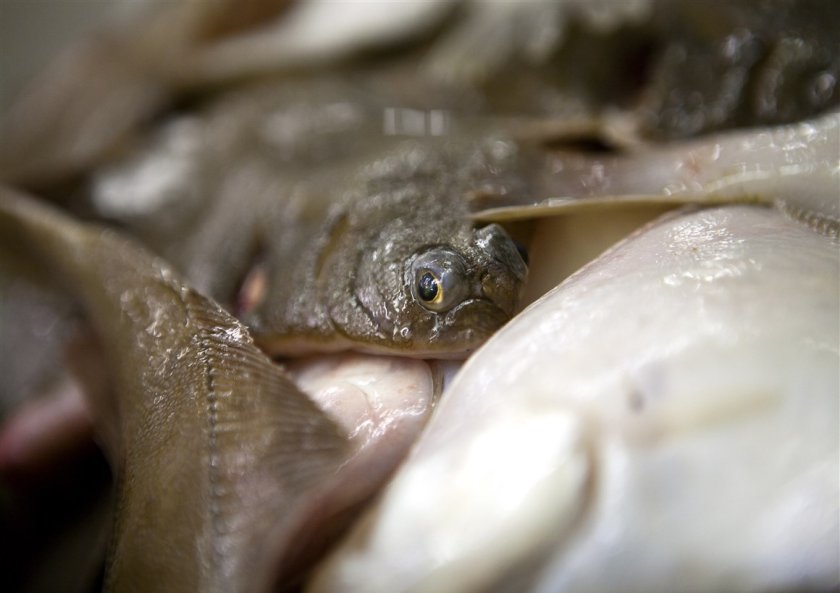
(454, 335)
(469, 324)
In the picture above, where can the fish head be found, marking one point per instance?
(433, 296)
(399, 267)
(420, 279)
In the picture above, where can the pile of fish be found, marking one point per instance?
(266, 229)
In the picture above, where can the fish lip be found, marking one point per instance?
(284, 350)
(485, 317)
(480, 318)
(486, 304)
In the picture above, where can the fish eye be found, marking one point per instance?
(428, 288)
(438, 279)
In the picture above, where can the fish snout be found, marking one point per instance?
(502, 291)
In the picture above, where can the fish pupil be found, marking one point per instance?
(427, 287)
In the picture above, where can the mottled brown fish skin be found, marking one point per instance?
(298, 188)
(355, 284)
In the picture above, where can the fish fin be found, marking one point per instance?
(573, 205)
(217, 447)
(326, 517)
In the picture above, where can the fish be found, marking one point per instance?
(320, 230)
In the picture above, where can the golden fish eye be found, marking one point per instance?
(429, 288)
(438, 279)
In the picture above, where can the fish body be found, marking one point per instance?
(340, 216)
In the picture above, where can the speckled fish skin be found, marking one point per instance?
(302, 182)
(665, 419)
(353, 286)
